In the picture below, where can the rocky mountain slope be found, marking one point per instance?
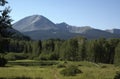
(39, 27)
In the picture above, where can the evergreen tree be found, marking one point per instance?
(37, 48)
(5, 20)
(90, 53)
(69, 50)
(112, 45)
(117, 55)
(82, 49)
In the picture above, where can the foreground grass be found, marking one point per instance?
(90, 71)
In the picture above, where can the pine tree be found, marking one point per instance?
(69, 50)
(117, 55)
(5, 20)
(4, 23)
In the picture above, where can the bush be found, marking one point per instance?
(117, 76)
(15, 56)
(48, 56)
(10, 56)
(103, 66)
(3, 61)
(61, 66)
(70, 71)
(53, 56)
(44, 56)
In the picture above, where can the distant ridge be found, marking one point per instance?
(39, 27)
(114, 31)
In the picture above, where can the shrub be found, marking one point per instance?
(117, 76)
(3, 61)
(53, 56)
(10, 56)
(103, 66)
(44, 56)
(65, 62)
(15, 56)
(70, 71)
(61, 66)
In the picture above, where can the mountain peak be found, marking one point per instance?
(64, 23)
(34, 22)
(39, 27)
(36, 18)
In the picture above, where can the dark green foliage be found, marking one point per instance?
(3, 61)
(111, 50)
(44, 56)
(47, 63)
(73, 49)
(23, 77)
(61, 65)
(70, 71)
(36, 48)
(117, 55)
(34, 63)
(15, 56)
(82, 48)
(101, 50)
(5, 20)
(48, 45)
(53, 56)
(69, 50)
(1, 45)
(117, 76)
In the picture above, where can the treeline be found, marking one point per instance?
(76, 49)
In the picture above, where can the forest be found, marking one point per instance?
(76, 49)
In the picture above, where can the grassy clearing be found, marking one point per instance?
(90, 71)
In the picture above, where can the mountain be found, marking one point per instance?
(73, 29)
(33, 23)
(12, 33)
(39, 28)
(114, 31)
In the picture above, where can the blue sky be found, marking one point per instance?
(101, 14)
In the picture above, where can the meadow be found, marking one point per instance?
(49, 70)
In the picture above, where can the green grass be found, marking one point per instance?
(90, 71)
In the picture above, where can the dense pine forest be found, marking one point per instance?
(75, 49)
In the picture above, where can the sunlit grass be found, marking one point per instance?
(90, 71)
